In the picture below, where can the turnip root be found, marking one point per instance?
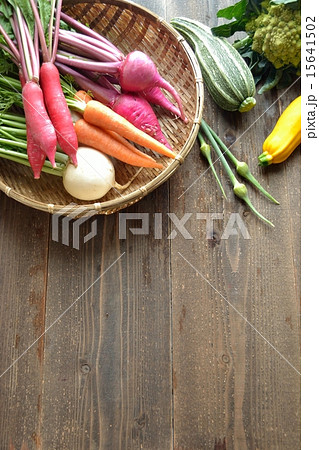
(93, 177)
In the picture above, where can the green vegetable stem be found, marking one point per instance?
(242, 167)
(239, 189)
(13, 144)
(206, 152)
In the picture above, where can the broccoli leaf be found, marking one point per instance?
(228, 29)
(234, 11)
(271, 80)
(241, 12)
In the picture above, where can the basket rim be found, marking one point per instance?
(114, 205)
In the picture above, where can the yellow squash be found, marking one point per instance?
(285, 137)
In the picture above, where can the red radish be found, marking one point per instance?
(132, 107)
(38, 121)
(58, 109)
(155, 96)
(139, 112)
(135, 73)
(36, 156)
(138, 72)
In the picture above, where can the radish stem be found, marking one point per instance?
(83, 43)
(72, 37)
(56, 33)
(94, 66)
(31, 51)
(86, 30)
(37, 19)
(24, 44)
(10, 43)
(16, 131)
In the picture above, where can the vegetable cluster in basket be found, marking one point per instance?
(115, 108)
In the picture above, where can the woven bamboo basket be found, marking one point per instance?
(129, 26)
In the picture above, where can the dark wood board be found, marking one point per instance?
(181, 338)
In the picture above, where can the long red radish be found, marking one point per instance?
(102, 116)
(58, 109)
(38, 121)
(36, 156)
(95, 137)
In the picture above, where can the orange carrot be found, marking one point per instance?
(128, 144)
(83, 96)
(102, 116)
(99, 139)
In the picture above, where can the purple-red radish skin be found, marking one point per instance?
(132, 107)
(155, 96)
(36, 156)
(138, 73)
(38, 121)
(139, 112)
(58, 110)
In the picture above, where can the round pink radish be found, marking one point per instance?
(138, 73)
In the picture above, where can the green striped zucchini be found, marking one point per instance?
(225, 73)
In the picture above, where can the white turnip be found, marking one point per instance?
(93, 177)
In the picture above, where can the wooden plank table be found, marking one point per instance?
(191, 341)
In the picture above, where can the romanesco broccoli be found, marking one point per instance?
(276, 34)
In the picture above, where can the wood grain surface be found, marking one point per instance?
(187, 337)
